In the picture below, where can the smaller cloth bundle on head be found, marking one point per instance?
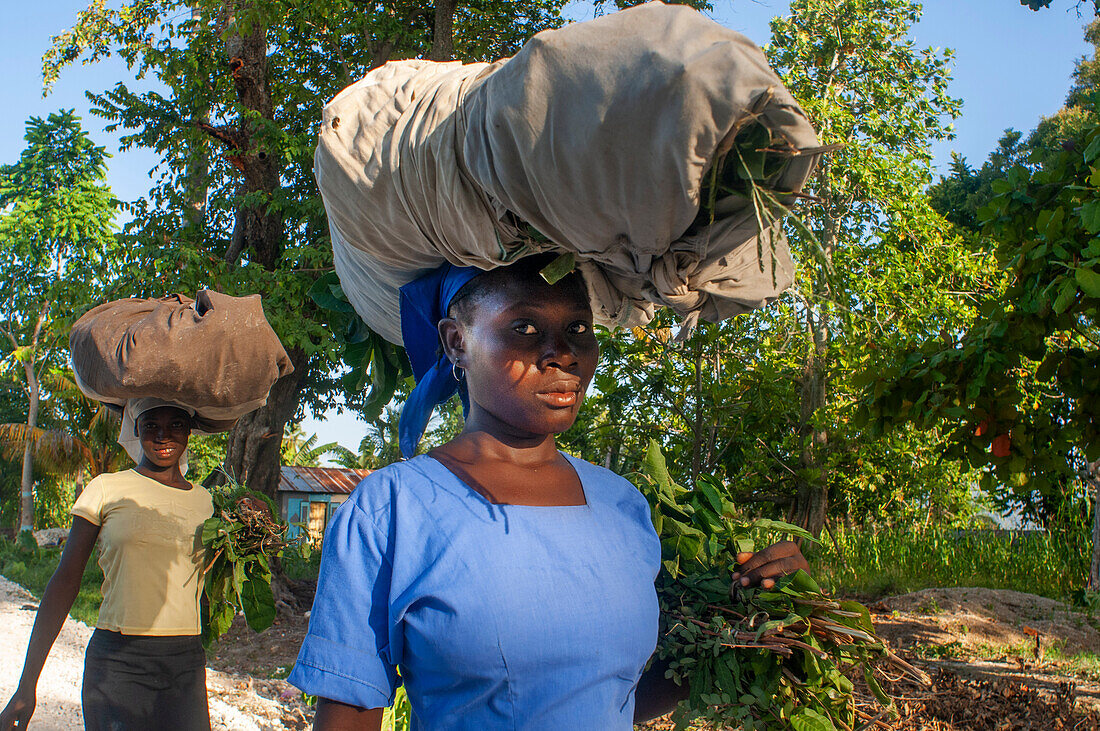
(215, 357)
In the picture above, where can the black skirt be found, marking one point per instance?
(135, 682)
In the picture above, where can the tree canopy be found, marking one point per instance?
(56, 240)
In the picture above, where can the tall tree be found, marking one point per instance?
(1069, 122)
(862, 81)
(1019, 388)
(1004, 414)
(56, 234)
(240, 86)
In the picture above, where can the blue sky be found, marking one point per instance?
(1012, 66)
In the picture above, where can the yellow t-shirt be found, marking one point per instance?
(150, 550)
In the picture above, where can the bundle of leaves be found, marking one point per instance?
(241, 539)
(776, 658)
(747, 170)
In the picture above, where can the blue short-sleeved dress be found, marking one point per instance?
(500, 616)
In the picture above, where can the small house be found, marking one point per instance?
(309, 495)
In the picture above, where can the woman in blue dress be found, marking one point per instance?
(512, 583)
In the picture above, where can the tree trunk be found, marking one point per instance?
(697, 425)
(252, 454)
(443, 31)
(197, 173)
(1094, 566)
(258, 228)
(812, 499)
(26, 494)
(79, 482)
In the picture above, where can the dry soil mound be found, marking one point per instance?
(983, 618)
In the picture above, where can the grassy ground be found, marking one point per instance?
(865, 563)
(890, 561)
(32, 569)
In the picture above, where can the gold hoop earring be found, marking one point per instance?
(456, 372)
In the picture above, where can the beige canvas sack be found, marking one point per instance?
(593, 139)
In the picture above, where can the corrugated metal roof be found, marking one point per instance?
(332, 480)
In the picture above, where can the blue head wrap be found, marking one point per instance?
(424, 302)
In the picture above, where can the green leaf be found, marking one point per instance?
(654, 467)
(1090, 215)
(708, 491)
(1093, 149)
(1065, 298)
(1089, 280)
(238, 578)
(210, 528)
(876, 689)
(258, 603)
(559, 269)
(865, 622)
(801, 581)
(322, 294)
(780, 526)
(807, 719)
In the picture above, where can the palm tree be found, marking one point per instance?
(365, 459)
(378, 448)
(83, 441)
(300, 451)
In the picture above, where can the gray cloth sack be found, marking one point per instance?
(596, 136)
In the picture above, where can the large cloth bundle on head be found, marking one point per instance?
(594, 139)
(216, 356)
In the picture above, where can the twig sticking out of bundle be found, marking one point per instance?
(746, 168)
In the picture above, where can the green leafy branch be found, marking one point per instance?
(241, 540)
(775, 658)
(369, 357)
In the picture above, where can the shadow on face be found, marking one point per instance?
(163, 433)
(527, 347)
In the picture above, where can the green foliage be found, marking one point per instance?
(31, 567)
(301, 450)
(205, 455)
(299, 561)
(1040, 4)
(242, 539)
(883, 561)
(396, 717)
(764, 658)
(959, 196)
(368, 357)
(77, 437)
(56, 226)
(235, 206)
(868, 244)
(53, 499)
(56, 239)
(1020, 388)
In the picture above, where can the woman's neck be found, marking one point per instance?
(475, 444)
(170, 476)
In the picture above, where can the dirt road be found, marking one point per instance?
(234, 704)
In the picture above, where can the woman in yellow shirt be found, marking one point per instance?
(144, 667)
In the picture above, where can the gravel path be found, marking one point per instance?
(231, 708)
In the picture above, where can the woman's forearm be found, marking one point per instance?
(656, 694)
(334, 716)
(58, 599)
